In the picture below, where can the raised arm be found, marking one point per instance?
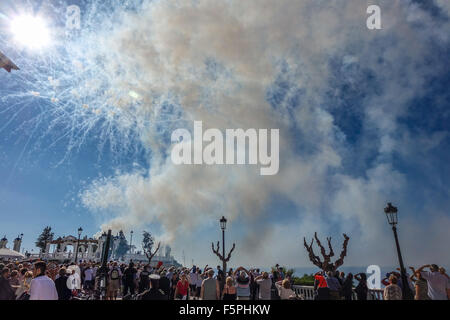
(423, 267)
(236, 271)
(413, 275)
(278, 285)
(246, 271)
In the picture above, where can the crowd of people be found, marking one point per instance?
(50, 281)
(42, 280)
(433, 284)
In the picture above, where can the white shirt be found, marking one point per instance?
(76, 268)
(438, 284)
(74, 282)
(43, 288)
(284, 293)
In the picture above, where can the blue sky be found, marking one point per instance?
(363, 118)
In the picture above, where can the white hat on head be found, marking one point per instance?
(154, 277)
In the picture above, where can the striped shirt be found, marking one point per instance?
(243, 287)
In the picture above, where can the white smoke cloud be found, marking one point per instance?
(165, 47)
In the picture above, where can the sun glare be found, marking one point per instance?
(30, 31)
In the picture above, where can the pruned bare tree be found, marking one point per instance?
(326, 264)
(221, 257)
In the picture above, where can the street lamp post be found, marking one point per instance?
(391, 214)
(223, 226)
(80, 230)
(131, 241)
(222, 257)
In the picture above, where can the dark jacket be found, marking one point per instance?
(347, 288)
(144, 281)
(64, 293)
(6, 291)
(153, 294)
(164, 285)
(361, 290)
(129, 275)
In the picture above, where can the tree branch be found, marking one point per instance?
(330, 247)
(149, 253)
(216, 251)
(314, 259)
(229, 254)
(326, 257)
(340, 261)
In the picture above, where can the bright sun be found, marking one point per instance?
(30, 31)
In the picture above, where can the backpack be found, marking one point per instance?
(114, 274)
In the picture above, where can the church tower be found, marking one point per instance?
(3, 242)
(18, 243)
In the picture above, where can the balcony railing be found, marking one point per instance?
(308, 293)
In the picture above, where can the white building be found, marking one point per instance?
(63, 249)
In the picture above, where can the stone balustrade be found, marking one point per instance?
(308, 293)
